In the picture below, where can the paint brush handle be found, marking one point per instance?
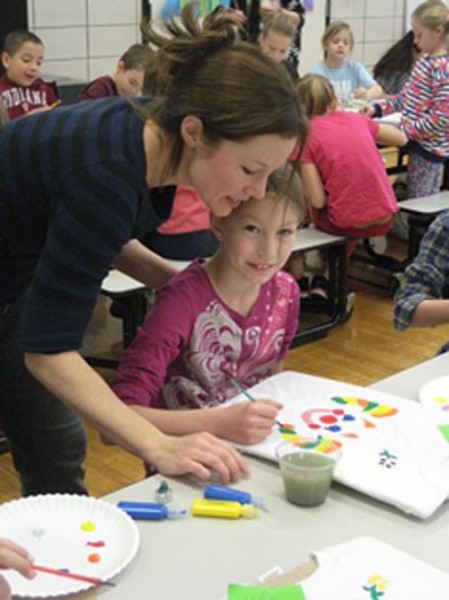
(78, 577)
(247, 395)
(241, 389)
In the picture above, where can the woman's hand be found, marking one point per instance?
(200, 454)
(247, 422)
(13, 556)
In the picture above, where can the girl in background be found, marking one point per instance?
(349, 78)
(233, 316)
(424, 101)
(345, 181)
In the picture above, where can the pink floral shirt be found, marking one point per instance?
(192, 342)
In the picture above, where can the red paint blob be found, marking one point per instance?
(98, 544)
(328, 419)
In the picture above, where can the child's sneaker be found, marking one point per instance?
(319, 287)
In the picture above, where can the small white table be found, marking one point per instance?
(427, 205)
(422, 211)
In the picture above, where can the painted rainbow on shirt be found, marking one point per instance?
(373, 409)
(322, 444)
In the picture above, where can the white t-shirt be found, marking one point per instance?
(368, 569)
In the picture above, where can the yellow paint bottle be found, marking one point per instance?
(224, 509)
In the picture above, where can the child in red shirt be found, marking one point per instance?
(21, 88)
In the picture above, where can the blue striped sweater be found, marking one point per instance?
(72, 192)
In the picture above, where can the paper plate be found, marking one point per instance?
(435, 393)
(63, 531)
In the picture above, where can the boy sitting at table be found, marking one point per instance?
(423, 297)
(127, 79)
(21, 88)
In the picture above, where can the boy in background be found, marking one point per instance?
(276, 38)
(21, 88)
(127, 80)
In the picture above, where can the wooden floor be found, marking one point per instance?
(362, 351)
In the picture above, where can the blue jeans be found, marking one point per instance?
(48, 441)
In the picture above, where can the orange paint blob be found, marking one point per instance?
(94, 558)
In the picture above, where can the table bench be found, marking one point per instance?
(422, 211)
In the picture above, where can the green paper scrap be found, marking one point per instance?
(282, 592)
(445, 431)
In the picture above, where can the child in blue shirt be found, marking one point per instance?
(349, 78)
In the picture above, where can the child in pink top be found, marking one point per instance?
(232, 316)
(345, 181)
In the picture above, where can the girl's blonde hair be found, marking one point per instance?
(433, 14)
(334, 29)
(316, 95)
(286, 183)
(280, 24)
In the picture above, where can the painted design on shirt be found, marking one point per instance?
(387, 459)
(376, 586)
(345, 422)
(341, 423)
(326, 445)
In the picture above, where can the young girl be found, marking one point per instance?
(275, 39)
(349, 78)
(233, 316)
(424, 101)
(345, 180)
(106, 174)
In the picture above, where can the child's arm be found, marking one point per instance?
(430, 312)
(418, 301)
(313, 186)
(243, 423)
(375, 91)
(143, 264)
(388, 135)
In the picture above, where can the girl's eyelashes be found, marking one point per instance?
(251, 228)
(248, 171)
(286, 232)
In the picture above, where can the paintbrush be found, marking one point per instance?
(94, 580)
(247, 395)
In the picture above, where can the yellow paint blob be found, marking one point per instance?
(88, 526)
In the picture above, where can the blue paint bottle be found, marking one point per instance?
(150, 511)
(220, 492)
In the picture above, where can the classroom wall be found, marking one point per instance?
(84, 38)
(376, 25)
